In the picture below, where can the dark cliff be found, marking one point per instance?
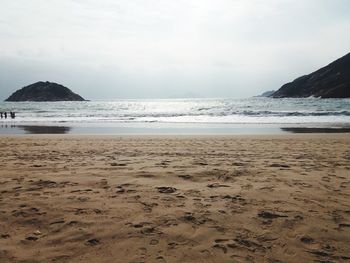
(332, 81)
(44, 91)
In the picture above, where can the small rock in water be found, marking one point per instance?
(166, 189)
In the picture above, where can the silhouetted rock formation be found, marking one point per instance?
(332, 81)
(44, 91)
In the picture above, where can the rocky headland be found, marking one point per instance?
(45, 91)
(332, 81)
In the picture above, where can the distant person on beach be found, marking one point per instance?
(5, 114)
(1, 115)
(13, 114)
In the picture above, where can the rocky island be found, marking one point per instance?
(332, 81)
(44, 91)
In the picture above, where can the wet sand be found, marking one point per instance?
(171, 129)
(280, 198)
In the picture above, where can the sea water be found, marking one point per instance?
(185, 112)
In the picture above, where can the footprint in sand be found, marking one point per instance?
(92, 242)
(161, 259)
(154, 242)
(32, 238)
(166, 189)
(185, 177)
(270, 215)
(217, 185)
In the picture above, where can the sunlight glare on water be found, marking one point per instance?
(235, 111)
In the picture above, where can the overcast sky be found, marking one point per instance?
(110, 49)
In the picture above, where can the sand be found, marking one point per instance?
(175, 199)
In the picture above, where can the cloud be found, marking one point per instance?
(240, 46)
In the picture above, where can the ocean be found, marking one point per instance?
(119, 116)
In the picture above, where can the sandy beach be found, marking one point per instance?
(280, 198)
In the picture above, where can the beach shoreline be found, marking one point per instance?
(171, 129)
(183, 198)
